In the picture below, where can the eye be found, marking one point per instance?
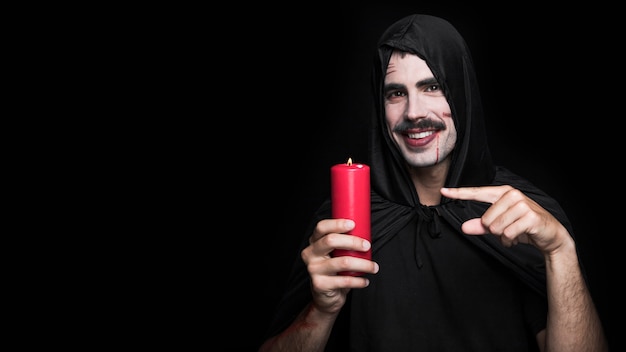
(433, 88)
(395, 94)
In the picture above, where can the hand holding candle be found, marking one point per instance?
(350, 197)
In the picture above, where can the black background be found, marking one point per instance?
(296, 102)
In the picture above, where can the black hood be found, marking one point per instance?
(449, 59)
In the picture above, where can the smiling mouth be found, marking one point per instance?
(420, 135)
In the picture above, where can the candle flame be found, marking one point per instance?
(349, 161)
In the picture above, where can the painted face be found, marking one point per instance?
(418, 116)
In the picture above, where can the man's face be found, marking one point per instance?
(418, 116)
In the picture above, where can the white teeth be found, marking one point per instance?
(420, 135)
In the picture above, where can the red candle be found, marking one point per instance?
(350, 197)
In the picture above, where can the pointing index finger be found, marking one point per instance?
(488, 194)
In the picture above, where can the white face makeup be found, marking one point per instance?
(418, 115)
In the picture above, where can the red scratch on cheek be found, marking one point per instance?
(437, 148)
(445, 114)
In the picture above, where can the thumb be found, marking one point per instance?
(474, 227)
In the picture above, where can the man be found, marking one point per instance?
(466, 255)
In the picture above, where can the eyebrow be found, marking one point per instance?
(420, 84)
(426, 82)
(393, 86)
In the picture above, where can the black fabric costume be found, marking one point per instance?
(437, 289)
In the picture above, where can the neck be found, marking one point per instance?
(429, 180)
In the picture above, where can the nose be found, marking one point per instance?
(416, 107)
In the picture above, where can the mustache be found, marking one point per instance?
(421, 124)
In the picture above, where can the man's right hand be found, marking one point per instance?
(328, 287)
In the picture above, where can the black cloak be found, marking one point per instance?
(395, 203)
